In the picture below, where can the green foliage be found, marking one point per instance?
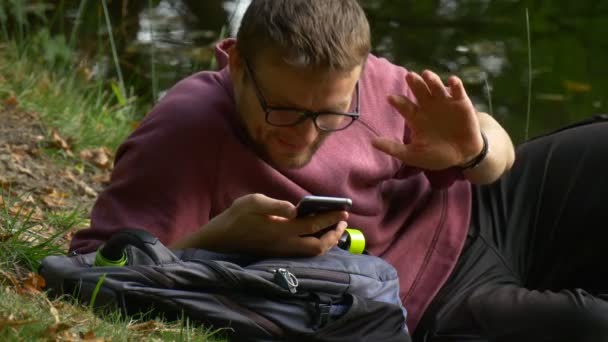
(63, 92)
(26, 240)
(36, 318)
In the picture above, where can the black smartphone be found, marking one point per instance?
(312, 205)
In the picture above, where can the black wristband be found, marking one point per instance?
(480, 157)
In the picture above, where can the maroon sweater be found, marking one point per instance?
(187, 162)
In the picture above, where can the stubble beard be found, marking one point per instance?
(293, 161)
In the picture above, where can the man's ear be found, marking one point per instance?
(235, 62)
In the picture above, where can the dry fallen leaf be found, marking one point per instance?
(90, 336)
(54, 198)
(60, 142)
(81, 185)
(10, 278)
(19, 152)
(5, 185)
(5, 237)
(53, 330)
(24, 170)
(103, 178)
(11, 101)
(99, 157)
(145, 327)
(33, 284)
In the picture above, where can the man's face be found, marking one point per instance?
(280, 86)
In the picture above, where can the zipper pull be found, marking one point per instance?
(286, 280)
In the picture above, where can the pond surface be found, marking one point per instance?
(484, 42)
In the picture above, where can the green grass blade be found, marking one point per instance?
(96, 291)
(113, 45)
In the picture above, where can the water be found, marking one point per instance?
(482, 41)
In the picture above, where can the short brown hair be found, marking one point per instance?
(332, 34)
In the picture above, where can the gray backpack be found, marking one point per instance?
(334, 297)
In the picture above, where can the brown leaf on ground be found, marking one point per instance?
(53, 198)
(24, 170)
(5, 237)
(19, 152)
(4, 184)
(26, 208)
(102, 178)
(81, 185)
(52, 331)
(10, 277)
(146, 327)
(100, 157)
(11, 101)
(59, 142)
(33, 284)
(90, 336)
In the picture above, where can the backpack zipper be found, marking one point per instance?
(311, 273)
(285, 279)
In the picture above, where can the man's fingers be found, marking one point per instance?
(311, 245)
(419, 88)
(396, 149)
(411, 156)
(330, 239)
(457, 88)
(315, 223)
(403, 105)
(436, 86)
(262, 204)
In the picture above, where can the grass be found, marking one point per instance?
(26, 313)
(84, 110)
(42, 73)
(38, 318)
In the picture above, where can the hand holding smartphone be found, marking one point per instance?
(313, 205)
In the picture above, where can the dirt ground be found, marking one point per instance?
(30, 177)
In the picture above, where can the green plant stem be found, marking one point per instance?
(488, 93)
(77, 22)
(153, 61)
(114, 52)
(20, 23)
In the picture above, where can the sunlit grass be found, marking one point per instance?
(33, 317)
(84, 110)
(27, 314)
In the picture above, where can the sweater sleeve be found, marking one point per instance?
(162, 181)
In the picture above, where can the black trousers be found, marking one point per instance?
(535, 264)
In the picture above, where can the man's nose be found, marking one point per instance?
(306, 131)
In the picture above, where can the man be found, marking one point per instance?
(300, 107)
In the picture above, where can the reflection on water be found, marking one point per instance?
(482, 41)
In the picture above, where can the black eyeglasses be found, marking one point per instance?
(326, 121)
